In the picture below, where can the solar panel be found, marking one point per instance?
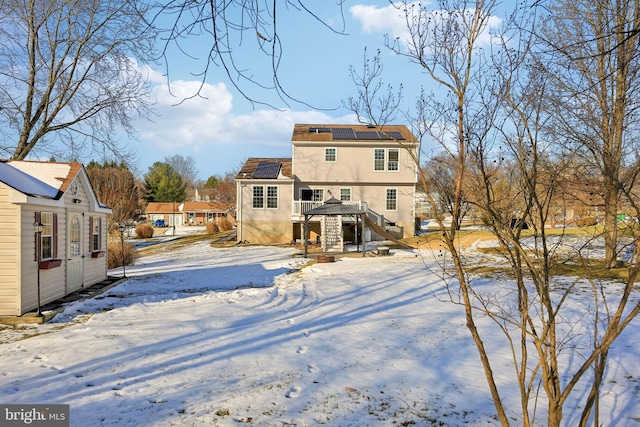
(367, 134)
(395, 134)
(343, 133)
(267, 170)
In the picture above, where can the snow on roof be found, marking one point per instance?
(50, 173)
(25, 182)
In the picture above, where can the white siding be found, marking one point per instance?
(9, 254)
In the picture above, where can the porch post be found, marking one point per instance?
(306, 235)
(356, 232)
(364, 240)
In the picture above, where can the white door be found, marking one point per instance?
(74, 261)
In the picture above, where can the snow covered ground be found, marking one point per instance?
(205, 336)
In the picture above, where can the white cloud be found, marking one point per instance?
(392, 19)
(206, 127)
(388, 19)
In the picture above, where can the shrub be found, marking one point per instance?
(144, 231)
(224, 224)
(212, 227)
(586, 221)
(115, 254)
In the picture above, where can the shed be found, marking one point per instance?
(53, 234)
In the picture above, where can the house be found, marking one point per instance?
(371, 168)
(189, 213)
(53, 234)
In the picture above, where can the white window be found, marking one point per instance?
(386, 159)
(330, 154)
(345, 194)
(96, 240)
(393, 157)
(392, 199)
(47, 235)
(378, 159)
(272, 197)
(262, 198)
(258, 197)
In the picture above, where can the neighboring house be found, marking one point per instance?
(189, 213)
(368, 167)
(69, 252)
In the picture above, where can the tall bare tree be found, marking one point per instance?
(185, 166)
(593, 56)
(68, 75)
(513, 186)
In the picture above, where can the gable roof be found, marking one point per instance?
(357, 132)
(39, 179)
(266, 168)
(49, 180)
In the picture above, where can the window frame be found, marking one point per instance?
(395, 162)
(269, 197)
(95, 233)
(327, 155)
(348, 190)
(48, 230)
(379, 163)
(393, 200)
(257, 200)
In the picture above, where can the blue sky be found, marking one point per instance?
(221, 129)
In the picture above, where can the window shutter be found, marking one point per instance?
(99, 233)
(54, 240)
(90, 234)
(36, 241)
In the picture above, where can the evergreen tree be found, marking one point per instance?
(164, 184)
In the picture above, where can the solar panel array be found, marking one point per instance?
(349, 133)
(267, 170)
(343, 133)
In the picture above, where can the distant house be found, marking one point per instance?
(68, 249)
(189, 213)
(370, 168)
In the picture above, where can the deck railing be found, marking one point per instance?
(301, 206)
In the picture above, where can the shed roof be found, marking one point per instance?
(26, 183)
(334, 206)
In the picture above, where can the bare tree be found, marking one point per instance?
(593, 59)
(185, 166)
(116, 187)
(68, 75)
(492, 124)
